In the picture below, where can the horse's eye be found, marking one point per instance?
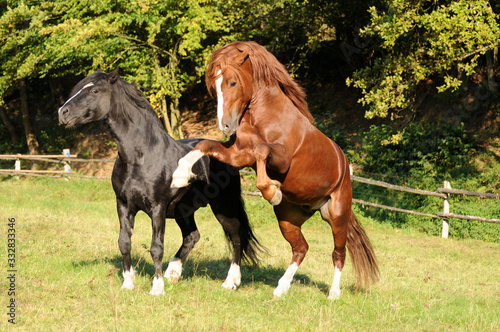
(95, 91)
(232, 84)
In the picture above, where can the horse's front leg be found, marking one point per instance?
(274, 156)
(127, 218)
(224, 152)
(158, 225)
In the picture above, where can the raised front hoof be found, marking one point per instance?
(158, 286)
(278, 196)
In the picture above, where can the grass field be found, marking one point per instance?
(68, 273)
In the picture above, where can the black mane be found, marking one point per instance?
(126, 95)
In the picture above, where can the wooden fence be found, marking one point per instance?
(443, 193)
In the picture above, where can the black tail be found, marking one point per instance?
(251, 249)
(229, 209)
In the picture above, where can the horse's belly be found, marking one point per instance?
(314, 174)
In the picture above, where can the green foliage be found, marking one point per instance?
(439, 151)
(422, 156)
(419, 39)
(151, 41)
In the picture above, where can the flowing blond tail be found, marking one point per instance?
(362, 254)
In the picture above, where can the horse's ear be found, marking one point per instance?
(113, 76)
(241, 58)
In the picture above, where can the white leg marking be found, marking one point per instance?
(284, 283)
(174, 270)
(76, 94)
(220, 99)
(334, 293)
(183, 173)
(128, 279)
(158, 286)
(233, 279)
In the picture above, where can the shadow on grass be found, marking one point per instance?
(215, 270)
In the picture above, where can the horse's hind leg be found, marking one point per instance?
(190, 236)
(290, 218)
(337, 212)
(229, 209)
(231, 227)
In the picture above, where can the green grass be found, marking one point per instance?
(69, 273)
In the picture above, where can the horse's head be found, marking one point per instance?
(90, 99)
(229, 74)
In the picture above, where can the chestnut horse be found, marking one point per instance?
(299, 169)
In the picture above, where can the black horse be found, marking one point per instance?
(147, 157)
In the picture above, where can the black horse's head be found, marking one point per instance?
(90, 99)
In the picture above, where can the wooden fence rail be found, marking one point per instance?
(65, 158)
(58, 159)
(444, 193)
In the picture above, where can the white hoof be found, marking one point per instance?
(128, 279)
(286, 280)
(334, 294)
(233, 279)
(174, 270)
(229, 284)
(278, 196)
(281, 289)
(158, 286)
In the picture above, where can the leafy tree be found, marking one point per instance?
(418, 39)
(155, 43)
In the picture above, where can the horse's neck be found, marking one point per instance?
(272, 105)
(135, 135)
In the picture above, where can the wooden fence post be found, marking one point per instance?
(67, 167)
(17, 165)
(446, 209)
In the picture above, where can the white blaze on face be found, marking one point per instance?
(76, 94)
(220, 99)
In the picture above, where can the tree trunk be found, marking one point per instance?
(175, 114)
(8, 124)
(175, 119)
(33, 146)
(164, 115)
(492, 84)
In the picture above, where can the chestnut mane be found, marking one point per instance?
(267, 71)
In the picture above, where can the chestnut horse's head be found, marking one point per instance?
(229, 75)
(240, 72)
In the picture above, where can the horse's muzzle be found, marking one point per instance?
(229, 124)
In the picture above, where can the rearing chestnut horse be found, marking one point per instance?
(299, 169)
